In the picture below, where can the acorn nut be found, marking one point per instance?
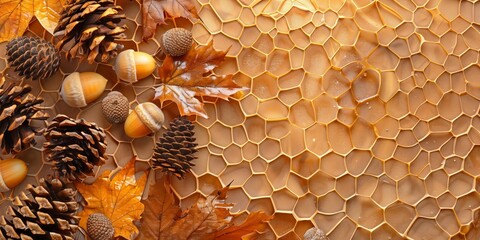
(145, 118)
(80, 89)
(132, 66)
(115, 107)
(176, 42)
(99, 227)
(12, 173)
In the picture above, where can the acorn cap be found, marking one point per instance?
(176, 41)
(99, 227)
(115, 107)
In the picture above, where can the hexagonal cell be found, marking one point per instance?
(326, 108)
(321, 183)
(330, 203)
(386, 192)
(251, 62)
(428, 208)
(305, 164)
(411, 189)
(306, 207)
(258, 186)
(302, 114)
(282, 223)
(400, 216)
(278, 62)
(460, 184)
(284, 200)
(265, 86)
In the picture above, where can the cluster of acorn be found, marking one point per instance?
(27, 55)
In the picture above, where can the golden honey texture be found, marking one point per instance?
(362, 118)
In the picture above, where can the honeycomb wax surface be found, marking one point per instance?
(362, 118)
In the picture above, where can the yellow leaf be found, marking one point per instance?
(15, 15)
(153, 13)
(192, 75)
(48, 13)
(118, 198)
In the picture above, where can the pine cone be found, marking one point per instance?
(93, 27)
(47, 211)
(18, 109)
(99, 227)
(176, 41)
(75, 147)
(175, 150)
(33, 57)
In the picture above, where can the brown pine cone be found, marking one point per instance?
(33, 57)
(75, 147)
(99, 227)
(18, 107)
(176, 41)
(176, 150)
(92, 25)
(47, 211)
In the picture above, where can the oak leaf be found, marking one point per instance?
(116, 194)
(153, 13)
(209, 218)
(191, 75)
(15, 16)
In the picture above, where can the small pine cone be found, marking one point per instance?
(99, 227)
(18, 107)
(47, 211)
(115, 107)
(75, 147)
(175, 151)
(176, 41)
(92, 25)
(33, 57)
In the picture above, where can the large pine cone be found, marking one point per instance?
(175, 151)
(47, 211)
(75, 147)
(93, 27)
(18, 107)
(33, 57)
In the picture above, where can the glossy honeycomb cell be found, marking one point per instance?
(362, 118)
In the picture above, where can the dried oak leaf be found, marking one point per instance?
(209, 218)
(191, 75)
(15, 15)
(116, 194)
(153, 13)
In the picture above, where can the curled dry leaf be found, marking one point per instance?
(117, 196)
(209, 218)
(15, 15)
(154, 13)
(191, 75)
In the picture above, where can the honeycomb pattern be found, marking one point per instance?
(362, 119)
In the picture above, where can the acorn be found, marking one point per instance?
(176, 42)
(132, 66)
(80, 89)
(115, 107)
(12, 173)
(145, 118)
(99, 227)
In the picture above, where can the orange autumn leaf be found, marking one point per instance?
(15, 15)
(191, 75)
(116, 194)
(209, 218)
(254, 222)
(154, 13)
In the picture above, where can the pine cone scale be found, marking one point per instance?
(36, 217)
(75, 147)
(92, 27)
(176, 148)
(33, 57)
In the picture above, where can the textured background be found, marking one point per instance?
(362, 117)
